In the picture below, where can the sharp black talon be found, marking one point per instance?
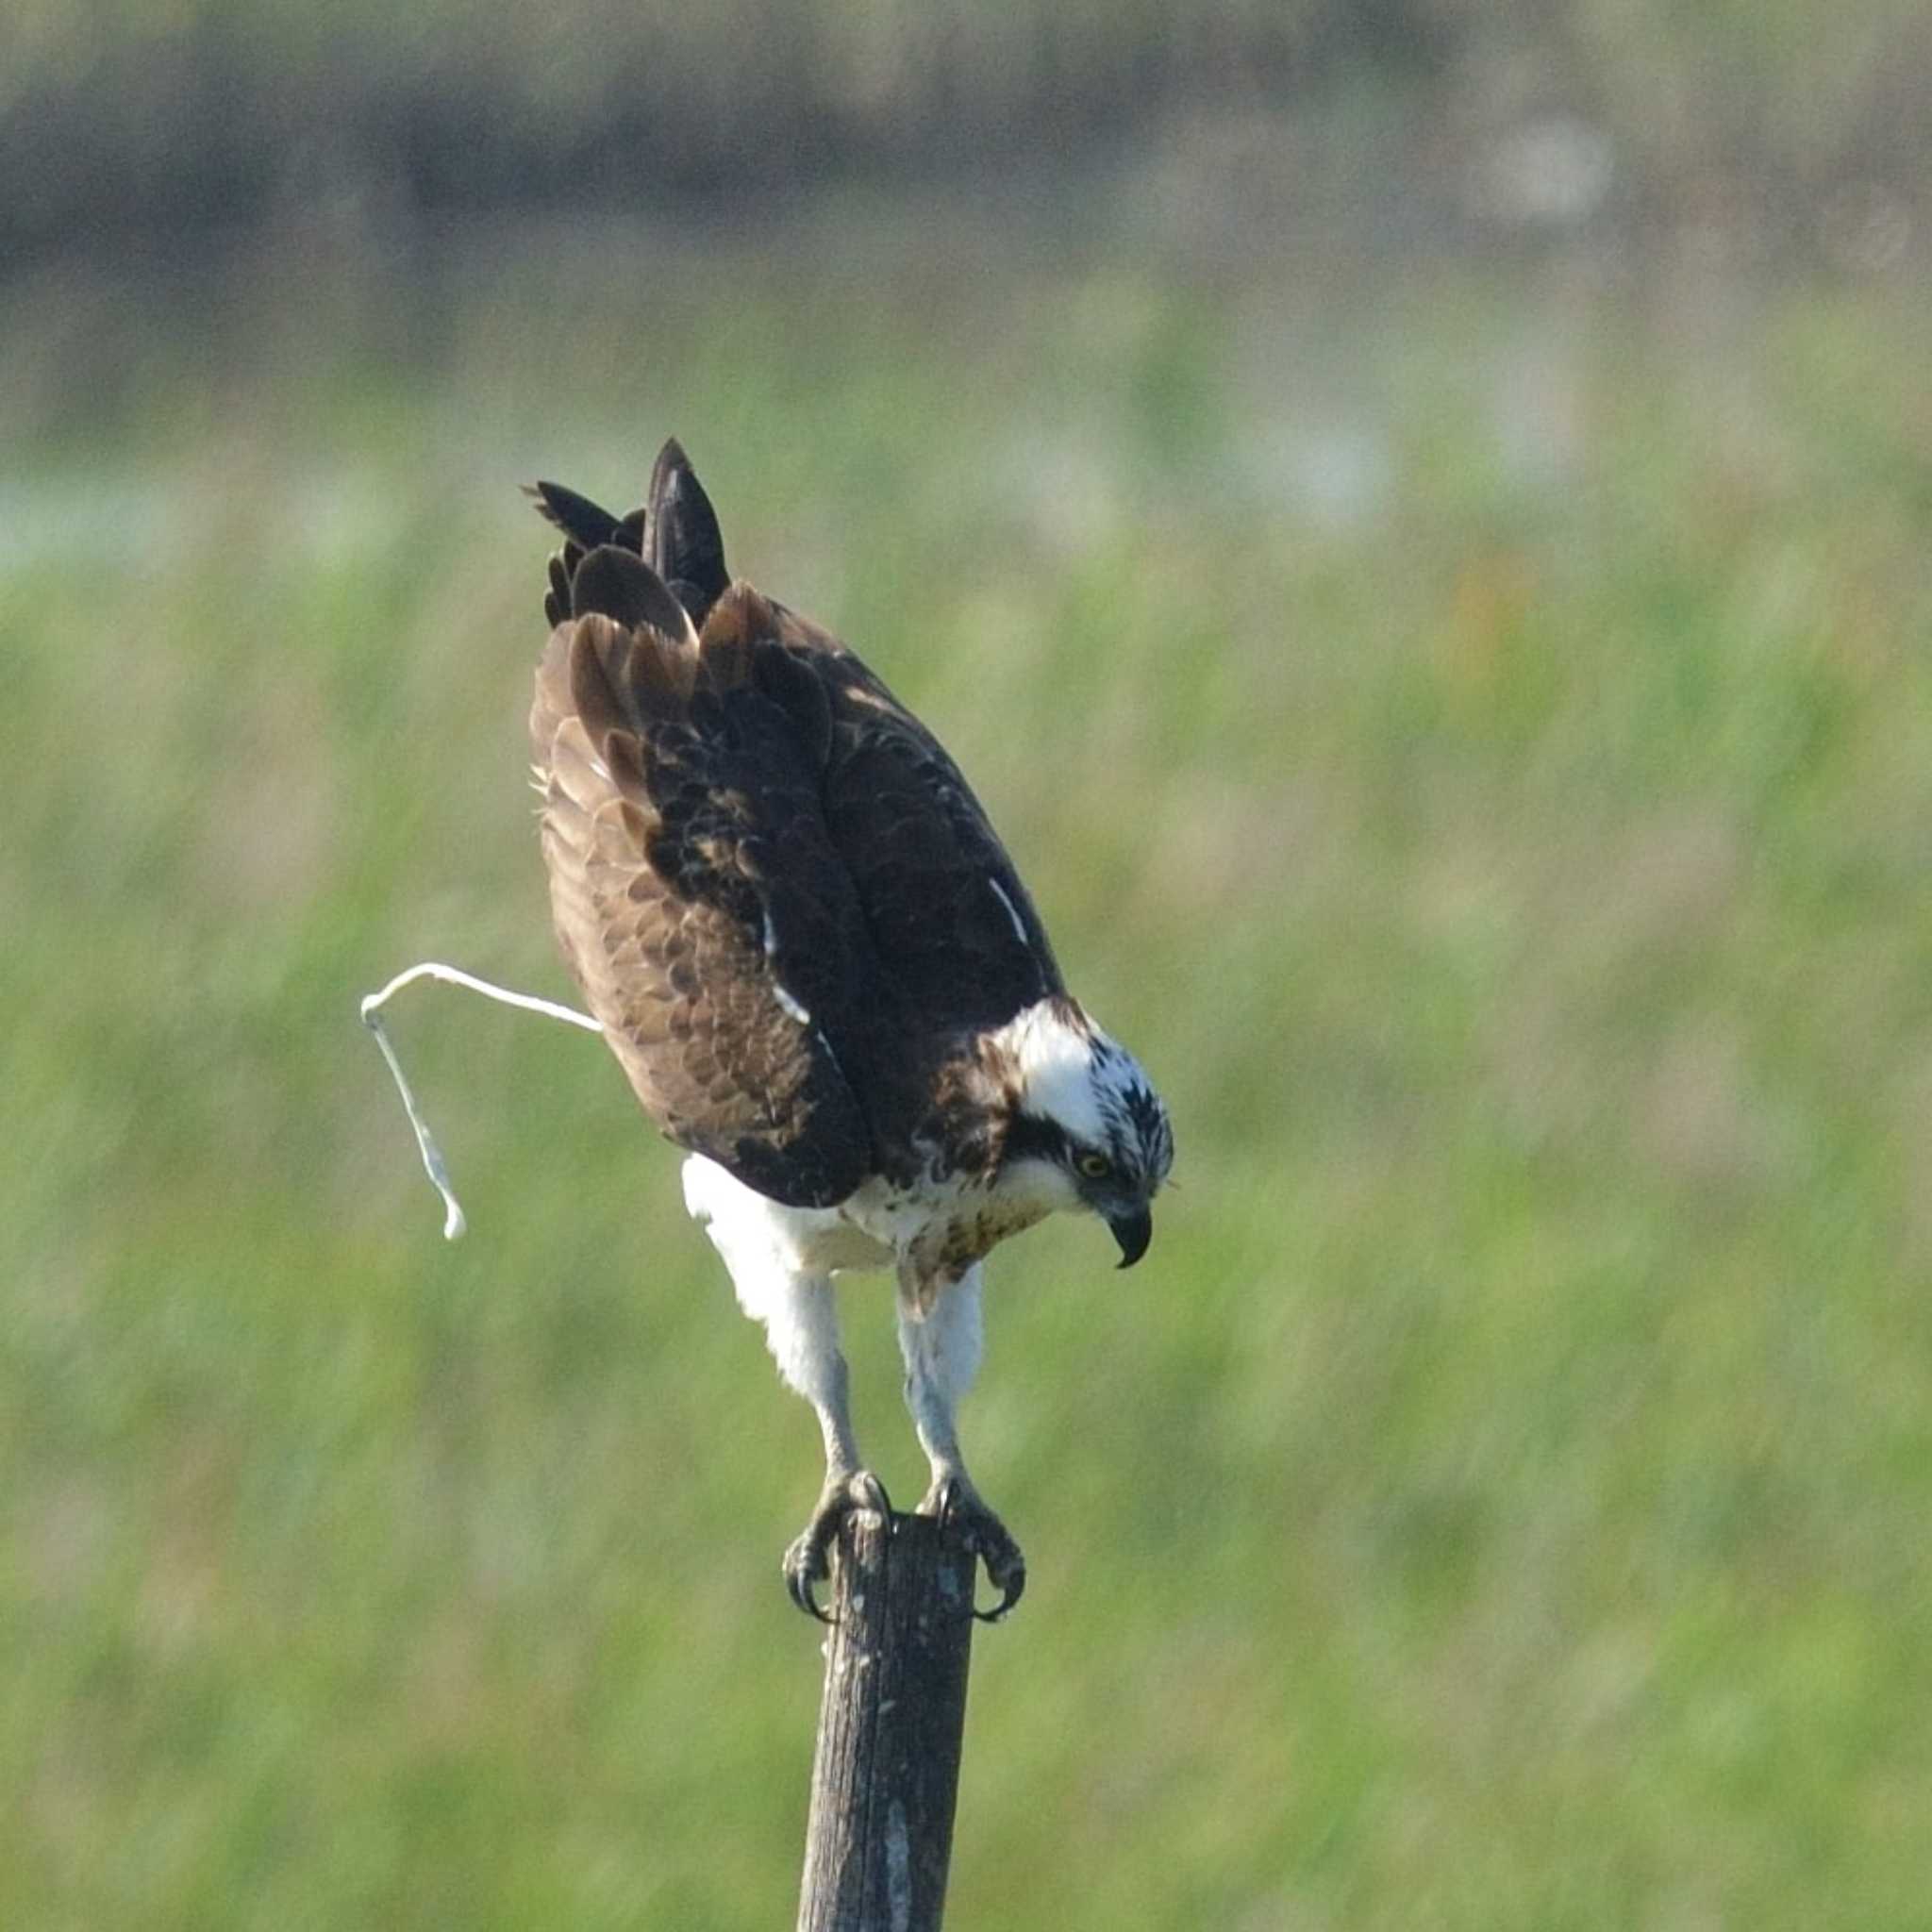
(798, 1587)
(954, 1505)
(808, 1561)
(1015, 1588)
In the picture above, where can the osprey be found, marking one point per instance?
(821, 972)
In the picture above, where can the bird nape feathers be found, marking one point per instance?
(821, 972)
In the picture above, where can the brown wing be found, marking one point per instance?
(745, 825)
(696, 893)
(955, 930)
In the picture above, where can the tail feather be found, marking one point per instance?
(586, 524)
(685, 544)
(676, 533)
(613, 583)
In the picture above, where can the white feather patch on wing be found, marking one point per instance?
(794, 1009)
(999, 893)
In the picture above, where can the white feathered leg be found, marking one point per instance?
(942, 1346)
(767, 1249)
(942, 1338)
(802, 1331)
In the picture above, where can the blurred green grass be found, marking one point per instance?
(1470, 728)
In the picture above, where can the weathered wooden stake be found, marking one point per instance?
(887, 1770)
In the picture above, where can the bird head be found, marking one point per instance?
(1085, 1128)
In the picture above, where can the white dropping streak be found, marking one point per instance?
(433, 1164)
(999, 893)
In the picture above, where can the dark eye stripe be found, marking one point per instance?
(1029, 1137)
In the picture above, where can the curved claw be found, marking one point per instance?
(1012, 1587)
(800, 1574)
(808, 1559)
(958, 1506)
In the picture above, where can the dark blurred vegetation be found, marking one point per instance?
(1416, 522)
(120, 119)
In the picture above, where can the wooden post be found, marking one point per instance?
(887, 1770)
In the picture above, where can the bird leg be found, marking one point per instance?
(802, 1328)
(802, 1331)
(848, 1486)
(940, 1337)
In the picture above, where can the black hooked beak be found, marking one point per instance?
(1133, 1229)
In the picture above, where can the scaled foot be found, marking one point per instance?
(959, 1505)
(809, 1560)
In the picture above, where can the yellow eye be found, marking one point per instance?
(1095, 1166)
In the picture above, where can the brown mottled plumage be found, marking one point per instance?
(819, 969)
(741, 825)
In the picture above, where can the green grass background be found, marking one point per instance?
(1469, 724)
